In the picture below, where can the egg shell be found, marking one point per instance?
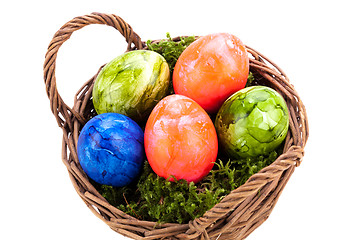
(210, 69)
(254, 121)
(132, 84)
(110, 149)
(180, 139)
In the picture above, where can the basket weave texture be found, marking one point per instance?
(240, 212)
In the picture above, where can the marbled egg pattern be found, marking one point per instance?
(132, 84)
(110, 149)
(180, 139)
(253, 121)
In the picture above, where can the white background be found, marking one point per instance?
(315, 42)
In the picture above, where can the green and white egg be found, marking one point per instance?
(132, 84)
(254, 121)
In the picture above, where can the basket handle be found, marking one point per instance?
(61, 111)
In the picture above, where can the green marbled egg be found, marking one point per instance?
(132, 84)
(253, 121)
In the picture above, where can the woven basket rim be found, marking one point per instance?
(235, 216)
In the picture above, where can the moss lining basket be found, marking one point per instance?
(236, 215)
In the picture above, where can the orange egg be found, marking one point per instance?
(180, 139)
(211, 69)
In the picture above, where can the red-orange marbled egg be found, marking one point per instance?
(211, 69)
(180, 139)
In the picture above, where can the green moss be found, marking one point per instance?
(170, 49)
(250, 80)
(154, 198)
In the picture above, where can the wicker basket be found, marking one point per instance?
(239, 213)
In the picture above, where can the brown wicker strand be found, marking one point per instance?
(61, 111)
(240, 212)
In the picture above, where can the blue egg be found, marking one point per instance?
(111, 149)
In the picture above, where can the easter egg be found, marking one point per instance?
(253, 121)
(110, 149)
(180, 139)
(132, 84)
(210, 69)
